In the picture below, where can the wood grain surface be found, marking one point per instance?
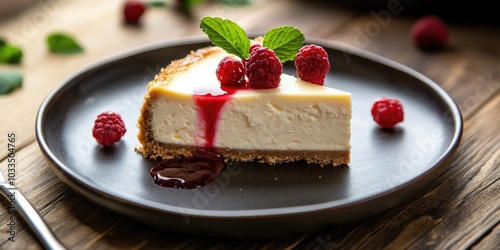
(460, 210)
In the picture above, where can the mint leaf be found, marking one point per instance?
(10, 53)
(187, 6)
(234, 3)
(285, 41)
(227, 35)
(10, 80)
(63, 44)
(157, 3)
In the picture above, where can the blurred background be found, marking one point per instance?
(469, 11)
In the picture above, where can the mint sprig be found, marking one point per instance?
(285, 41)
(63, 44)
(9, 81)
(227, 35)
(187, 6)
(235, 3)
(157, 3)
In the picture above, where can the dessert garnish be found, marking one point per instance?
(188, 173)
(9, 53)
(9, 81)
(108, 128)
(254, 47)
(312, 64)
(429, 33)
(264, 69)
(61, 43)
(188, 6)
(263, 63)
(285, 41)
(231, 71)
(133, 10)
(387, 112)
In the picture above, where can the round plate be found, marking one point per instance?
(388, 166)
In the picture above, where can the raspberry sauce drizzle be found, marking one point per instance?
(210, 100)
(188, 173)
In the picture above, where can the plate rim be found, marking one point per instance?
(68, 176)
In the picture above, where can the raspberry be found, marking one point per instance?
(133, 11)
(311, 64)
(429, 33)
(231, 71)
(254, 47)
(108, 128)
(264, 69)
(387, 112)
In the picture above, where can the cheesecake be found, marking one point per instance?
(186, 109)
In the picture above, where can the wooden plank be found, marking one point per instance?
(36, 182)
(474, 192)
(490, 240)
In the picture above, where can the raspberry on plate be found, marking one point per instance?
(387, 112)
(108, 128)
(133, 11)
(429, 32)
(312, 64)
(264, 69)
(231, 71)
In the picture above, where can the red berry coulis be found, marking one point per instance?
(210, 100)
(188, 173)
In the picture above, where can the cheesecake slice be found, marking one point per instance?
(185, 109)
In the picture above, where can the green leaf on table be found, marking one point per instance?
(157, 3)
(227, 35)
(9, 81)
(188, 5)
(285, 41)
(234, 3)
(10, 53)
(63, 44)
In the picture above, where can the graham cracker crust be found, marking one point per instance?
(156, 150)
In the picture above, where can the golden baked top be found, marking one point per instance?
(168, 73)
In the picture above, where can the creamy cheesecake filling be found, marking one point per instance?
(249, 122)
(280, 125)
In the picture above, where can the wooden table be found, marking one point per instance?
(459, 210)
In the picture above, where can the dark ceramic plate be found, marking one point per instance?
(388, 167)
